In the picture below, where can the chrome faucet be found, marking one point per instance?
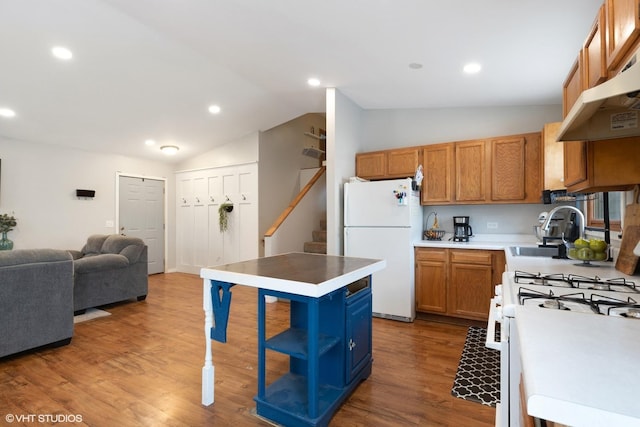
(547, 222)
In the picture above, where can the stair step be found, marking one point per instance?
(315, 247)
(319, 235)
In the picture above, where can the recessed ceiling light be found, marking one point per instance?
(150, 142)
(7, 112)
(472, 68)
(214, 109)
(169, 150)
(415, 66)
(61, 52)
(313, 82)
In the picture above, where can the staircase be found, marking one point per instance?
(319, 243)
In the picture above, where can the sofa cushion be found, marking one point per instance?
(114, 244)
(32, 256)
(94, 244)
(92, 263)
(132, 252)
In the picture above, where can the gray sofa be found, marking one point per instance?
(36, 299)
(109, 269)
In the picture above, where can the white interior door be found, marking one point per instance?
(141, 214)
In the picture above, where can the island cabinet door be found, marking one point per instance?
(358, 333)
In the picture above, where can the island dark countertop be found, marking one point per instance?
(297, 273)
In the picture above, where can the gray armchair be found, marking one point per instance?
(36, 299)
(109, 269)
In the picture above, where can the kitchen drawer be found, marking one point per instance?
(469, 256)
(423, 254)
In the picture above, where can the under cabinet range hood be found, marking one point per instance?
(609, 110)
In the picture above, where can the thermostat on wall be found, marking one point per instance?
(85, 193)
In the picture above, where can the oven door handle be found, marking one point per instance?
(494, 314)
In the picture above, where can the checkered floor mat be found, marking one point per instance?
(478, 376)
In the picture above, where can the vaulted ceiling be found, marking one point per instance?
(150, 69)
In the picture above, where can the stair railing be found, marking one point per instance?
(296, 223)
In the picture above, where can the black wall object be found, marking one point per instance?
(85, 193)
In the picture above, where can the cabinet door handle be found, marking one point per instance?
(352, 344)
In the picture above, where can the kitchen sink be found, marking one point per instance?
(533, 251)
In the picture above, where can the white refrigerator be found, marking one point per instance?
(381, 225)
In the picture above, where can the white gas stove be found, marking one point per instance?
(570, 293)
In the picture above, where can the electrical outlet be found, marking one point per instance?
(492, 225)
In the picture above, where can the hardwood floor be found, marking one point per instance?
(141, 366)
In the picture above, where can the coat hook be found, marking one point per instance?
(184, 200)
(211, 198)
(243, 197)
(227, 197)
(197, 199)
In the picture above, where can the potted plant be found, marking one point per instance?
(223, 212)
(7, 222)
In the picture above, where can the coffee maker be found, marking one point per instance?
(461, 229)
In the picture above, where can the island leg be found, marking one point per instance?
(208, 370)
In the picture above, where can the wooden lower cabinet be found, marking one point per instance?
(457, 282)
(431, 280)
(470, 284)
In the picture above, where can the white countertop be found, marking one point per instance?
(580, 369)
(480, 241)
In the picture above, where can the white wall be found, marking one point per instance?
(510, 219)
(38, 186)
(344, 129)
(382, 129)
(241, 151)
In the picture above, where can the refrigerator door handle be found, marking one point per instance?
(346, 205)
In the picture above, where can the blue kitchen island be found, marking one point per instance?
(328, 339)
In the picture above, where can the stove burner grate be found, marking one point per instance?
(607, 305)
(576, 281)
(525, 294)
(596, 283)
(556, 279)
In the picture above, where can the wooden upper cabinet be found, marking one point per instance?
(402, 163)
(609, 165)
(516, 169)
(371, 165)
(573, 86)
(623, 28)
(508, 164)
(594, 52)
(575, 163)
(397, 163)
(553, 154)
(499, 170)
(471, 171)
(437, 186)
